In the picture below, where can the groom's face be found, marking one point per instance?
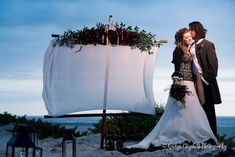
(193, 34)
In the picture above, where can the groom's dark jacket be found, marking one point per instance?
(206, 55)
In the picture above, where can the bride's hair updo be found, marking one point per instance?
(179, 41)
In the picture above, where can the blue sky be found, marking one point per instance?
(26, 26)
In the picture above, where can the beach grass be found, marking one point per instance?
(124, 127)
(228, 141)
(89, 145)
(41, 128)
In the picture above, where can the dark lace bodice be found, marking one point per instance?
(186, 68)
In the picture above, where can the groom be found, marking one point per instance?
(206, 65)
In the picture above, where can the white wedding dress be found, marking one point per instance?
(179, 124)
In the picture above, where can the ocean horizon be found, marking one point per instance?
(225, 124)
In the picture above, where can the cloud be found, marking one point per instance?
(20, 85)
(20, 13)
(26, 27)
(22, 97)
(24, 107)
(19, 75)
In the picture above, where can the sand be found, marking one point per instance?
(89, 146)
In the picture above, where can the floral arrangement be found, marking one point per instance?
(178, 90)
(126, 36)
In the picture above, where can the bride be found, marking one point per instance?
(180, 124)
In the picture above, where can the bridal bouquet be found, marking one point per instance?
(178, 90)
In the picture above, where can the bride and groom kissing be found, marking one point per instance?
(195, 63)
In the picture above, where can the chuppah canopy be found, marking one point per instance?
(88, 77)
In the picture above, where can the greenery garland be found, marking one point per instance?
(125, 36)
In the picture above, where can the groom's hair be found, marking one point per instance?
(198, 28)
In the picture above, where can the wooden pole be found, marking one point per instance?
(102, 136)
(55, 35)
(158, 43)
(105, 101)
(163, 41)
(99, 115)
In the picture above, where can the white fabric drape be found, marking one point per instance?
(74, 80)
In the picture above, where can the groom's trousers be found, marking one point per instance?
(209, 109)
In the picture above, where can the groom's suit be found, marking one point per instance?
(207, 59)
